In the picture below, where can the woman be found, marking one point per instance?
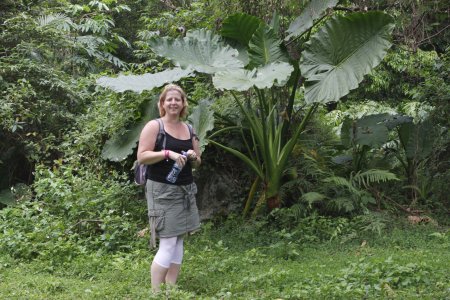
(172, 208)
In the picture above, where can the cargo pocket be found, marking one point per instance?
(156, 220)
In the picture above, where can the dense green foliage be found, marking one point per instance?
(318, 258)
(67, 145)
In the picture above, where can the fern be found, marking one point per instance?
(364, 179)
(58, 20)
(297, 211)
(342, 182)
(289, 188)
(312, 197)
(347, 204)
(312, 167)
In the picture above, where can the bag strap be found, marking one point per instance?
(161, 134)
(191, 130)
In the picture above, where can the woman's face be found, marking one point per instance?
(173, 104)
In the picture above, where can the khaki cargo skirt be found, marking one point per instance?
(172, 209)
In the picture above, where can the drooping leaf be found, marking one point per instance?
(119, 147)
(417, 139)
(264, 47)
(337, 57)
(200, 50)
(202, 119)
(313, 11)
(242, 80)
(139, 83)
(240, 27)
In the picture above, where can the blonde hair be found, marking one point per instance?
(162, 98)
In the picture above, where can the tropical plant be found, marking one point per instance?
(344, 194)
(366, 133)
(412, 144)
(250, 58)
(416, 145)
(43, 55)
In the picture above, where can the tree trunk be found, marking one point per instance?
(273, 202)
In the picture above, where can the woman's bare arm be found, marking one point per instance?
(147, 140)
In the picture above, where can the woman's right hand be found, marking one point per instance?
(178, 158)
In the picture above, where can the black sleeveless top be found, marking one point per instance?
(158, 172)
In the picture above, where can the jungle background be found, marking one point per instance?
(301, 197)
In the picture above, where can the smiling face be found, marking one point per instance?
(172, 101)
(173, 104)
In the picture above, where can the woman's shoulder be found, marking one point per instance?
(151, 126)
(153, 123)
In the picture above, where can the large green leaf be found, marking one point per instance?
(138, 83)
(202, 119)
(240, 27)
(264, 77)
(242, 53)
(121, 145)
(393, 121)
(368, 130)
(200, 50)
(373, 136)
(337, 57)
(264, 47)
(313, 11)
(417, 139)
(371, 130)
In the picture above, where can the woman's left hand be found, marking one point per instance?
(191, 155)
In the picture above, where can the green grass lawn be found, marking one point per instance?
(240, 262)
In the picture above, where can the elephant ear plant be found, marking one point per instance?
(250, 60)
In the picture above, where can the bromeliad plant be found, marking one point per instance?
(251, 61)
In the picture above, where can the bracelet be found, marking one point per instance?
(166, 154)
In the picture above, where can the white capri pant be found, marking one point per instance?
(170, 251)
